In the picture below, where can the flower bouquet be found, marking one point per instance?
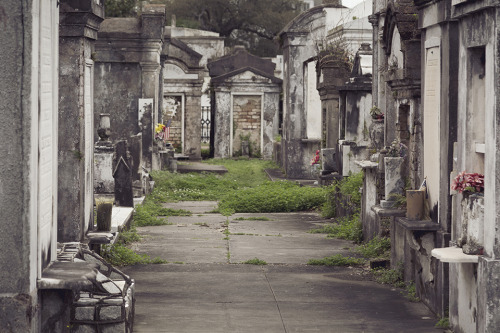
(468, 182)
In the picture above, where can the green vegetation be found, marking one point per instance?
(378, 247)
(255, 261)
(337, 260)
(272, 197)
(410, 292)
(347, 187)
(245, 188)
(257, 218)
(393, 277)
(443, 322)
(119, 254)
(347, 227)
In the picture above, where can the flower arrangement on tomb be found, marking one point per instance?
(316, 158)
(376, 113)
(161, 132)
(468, 182)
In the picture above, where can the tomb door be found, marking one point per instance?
(173, 118)
(246, 121)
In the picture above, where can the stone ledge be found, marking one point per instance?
(121, 219)
(366, 164)
(387, 212)
(454, 255)
(417, 225)
(68, 275)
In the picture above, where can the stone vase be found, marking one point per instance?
(394, 181)
(376, 131)
(104, 130)
(472, 239)
(415, 204)
(104, 212)
(328, 159)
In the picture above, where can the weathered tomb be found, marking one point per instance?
(467, 51)
(301, 41)
(354, 143)
(185, 80)
(245, 100)
(127, 77)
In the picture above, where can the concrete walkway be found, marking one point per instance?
(209, 290)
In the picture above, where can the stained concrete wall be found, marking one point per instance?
(29, 238)
(117, 91)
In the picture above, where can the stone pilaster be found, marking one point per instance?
(79, 23)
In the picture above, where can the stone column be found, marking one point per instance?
(153, 22)
(79, 22)
(192, 140)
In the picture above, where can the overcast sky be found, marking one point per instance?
(351, 3)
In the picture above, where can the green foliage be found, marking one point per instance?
(411, 292)
(257, 218)
(205, 153)
(254, 23)
(147, 214)
(443, 323)
(337, 260)
(269, 197)
(121, 255)
(348, 187)
(329, 208)
(348, 227)
(376, 248)
(129, 236)
(173, 212)
(120, 8)
(392, 277)
(255, 261)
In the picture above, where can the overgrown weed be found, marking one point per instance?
(337, 260)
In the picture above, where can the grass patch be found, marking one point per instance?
(337, 260)
(173, 212)
(255, 261)
(121, 255)
(443, 323)
(245, 188)
(258, 218)
(271, 197)
(393, 277)
(378, 247)
(347, 186)
(348, 227)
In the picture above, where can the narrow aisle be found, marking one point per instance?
(198, 291)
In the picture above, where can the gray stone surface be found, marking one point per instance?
(84, 313)
(200, 167)
(206, 294)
